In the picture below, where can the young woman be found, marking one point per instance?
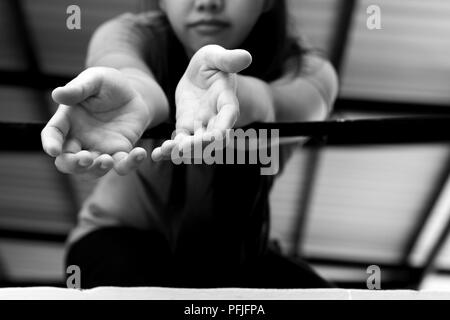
(207, 66)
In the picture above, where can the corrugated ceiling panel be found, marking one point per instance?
(31, 261)
(315, 19)
(32, 196)
(62, 51)
(19, 105)
(408, 60)
(285, 199)
(368, 200)
(11, 57)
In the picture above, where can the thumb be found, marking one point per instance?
(85, 85)
(230, 61)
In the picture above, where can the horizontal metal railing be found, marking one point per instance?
(396, 130)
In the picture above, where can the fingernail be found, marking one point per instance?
(104, 166)
(84, 163)
(140, 157)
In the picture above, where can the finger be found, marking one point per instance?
(72, 146)
(203, 138)
(211, 133)
(119, 156)
(163, 153)
(101, 166)
(231, 61)
(185, 144)
(210, 125)
(226, 118)
(157, 154)
(166, 148)
(74, 163)
(196, 143)
(55, 132)
(199, 136)
(85, 85)
(175, 155)
(227, 111)
(125, 163)
(181, 135)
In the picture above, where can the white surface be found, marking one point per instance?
(113, 293)
(436, 282)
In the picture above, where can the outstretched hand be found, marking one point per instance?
(206, 101)
(98, 122)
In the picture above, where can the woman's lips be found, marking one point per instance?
(209, 27)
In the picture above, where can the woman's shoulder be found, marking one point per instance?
(132, 24)
(147, 35)
(155, 19)
(130, 33)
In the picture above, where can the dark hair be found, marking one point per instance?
(272, 42)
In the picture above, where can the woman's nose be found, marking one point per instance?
(210, 5)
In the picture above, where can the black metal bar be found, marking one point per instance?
(343, 29)
(441, 271)
(405, 130)
(390, 107)
(300, 220)
(32, 283)
(357, 264)
(32, 235)
(32, 80)
(428, 208)
(430, 262)
(402, 275)
(20, 19)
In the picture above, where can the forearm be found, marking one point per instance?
(263, 102)
(151, 93)
(289, 99)
(299, 101)
(308, 96)
(256, 103)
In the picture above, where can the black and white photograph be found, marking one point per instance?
(224, 150)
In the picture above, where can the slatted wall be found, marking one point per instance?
(407, 60)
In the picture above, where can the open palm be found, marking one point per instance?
(206, 101)
(98, 122)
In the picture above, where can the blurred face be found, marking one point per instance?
(223, 22)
